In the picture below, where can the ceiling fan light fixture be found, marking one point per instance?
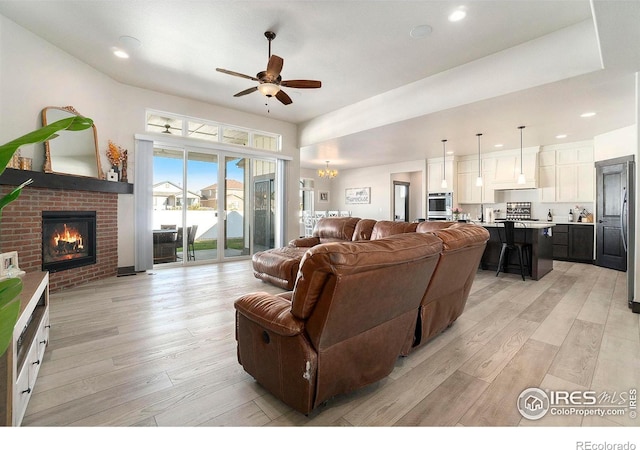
(268, 89)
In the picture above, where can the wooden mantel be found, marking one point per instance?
(15, 177)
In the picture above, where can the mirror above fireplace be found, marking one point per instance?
(71, 153)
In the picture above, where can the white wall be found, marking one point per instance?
(380, 180)
(621, 142)
(35, 74)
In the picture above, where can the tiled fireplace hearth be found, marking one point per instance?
(21, 229)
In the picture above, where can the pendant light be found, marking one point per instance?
(479, 179)
(521, 177)
(443, 185)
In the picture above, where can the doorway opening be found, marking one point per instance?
(401, 201)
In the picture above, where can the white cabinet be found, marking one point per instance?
(488, 180)
(21, 362)
(575, 183)
(547, 176)
(567, 173)
(435, 173)
(467, 191)
(575, 174)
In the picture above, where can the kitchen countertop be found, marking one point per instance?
(535, 225)
(572, 223)
(542, 222)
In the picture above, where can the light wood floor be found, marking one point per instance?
(159, 350)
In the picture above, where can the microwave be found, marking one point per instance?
(440, 206)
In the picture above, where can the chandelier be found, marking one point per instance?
(327, 173)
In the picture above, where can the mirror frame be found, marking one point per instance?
(47, 146)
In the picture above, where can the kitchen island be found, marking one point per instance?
(538, 234)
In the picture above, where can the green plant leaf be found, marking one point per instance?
(11, 196)
(75, 123)
(10, 288)
(9, 310)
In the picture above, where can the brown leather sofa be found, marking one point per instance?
(279, 266)
(448, 290)
(345, 322)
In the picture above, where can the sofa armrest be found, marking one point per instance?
(271, 312)
(304, 242)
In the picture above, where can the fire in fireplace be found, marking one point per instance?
(68, 239)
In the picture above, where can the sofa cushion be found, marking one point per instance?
(426, 226)
(461, 235)
(363, 230)
(386, 228)
(335, 229)
(350, 258)
(278, 266)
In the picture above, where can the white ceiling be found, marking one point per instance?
(385, 96)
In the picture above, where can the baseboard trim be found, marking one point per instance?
(126, 271)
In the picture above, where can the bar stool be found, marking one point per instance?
(509, 243)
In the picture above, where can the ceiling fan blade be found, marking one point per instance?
(284, 98)
(246, 91)
(236, 74)
(274, 67)
(302, 84)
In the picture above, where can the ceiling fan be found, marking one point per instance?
(270, 80)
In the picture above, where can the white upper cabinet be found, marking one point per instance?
(567, 173)
(467, 190)
(547, 176)
(435, 173)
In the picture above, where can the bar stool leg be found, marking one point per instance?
(521, 262)
(501, 260)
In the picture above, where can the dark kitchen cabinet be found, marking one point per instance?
(573, 243)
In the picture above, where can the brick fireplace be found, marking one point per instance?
(21, 228)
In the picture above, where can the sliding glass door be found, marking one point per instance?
(264, 204)
(211, 205)
(237, 182)
(202, 214)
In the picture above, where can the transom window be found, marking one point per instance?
(167, 123)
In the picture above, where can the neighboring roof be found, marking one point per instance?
(231, 184)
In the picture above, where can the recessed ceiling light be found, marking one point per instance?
(588, 114)
(120, 53)
(420, 31)
(449, 152)
(129, 42)
(458, 14)
(561, 136)
(499, 145)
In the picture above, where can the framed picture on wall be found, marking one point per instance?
(323, 196)
(357, 196)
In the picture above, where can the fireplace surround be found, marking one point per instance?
(21, 225)
(68, 239)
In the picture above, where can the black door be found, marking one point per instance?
(611, 185)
